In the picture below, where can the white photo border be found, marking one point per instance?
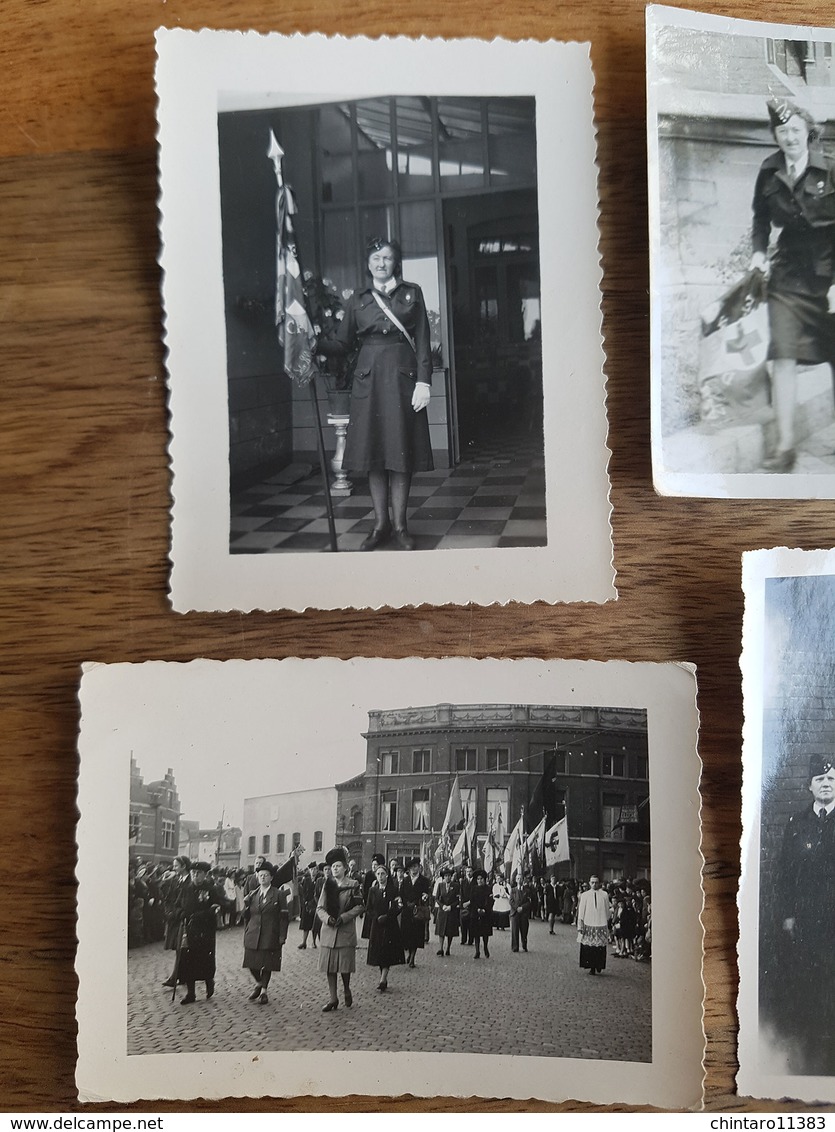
(716, 485)
(115, 702)
(755, 1077)
(194, 69)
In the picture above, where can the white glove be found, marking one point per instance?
(421, 396)
(759, 262)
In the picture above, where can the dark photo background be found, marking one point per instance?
(454, 180)
(799, 721)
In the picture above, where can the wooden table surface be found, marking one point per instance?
(85, 483)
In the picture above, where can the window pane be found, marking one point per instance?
(414, 146)
(460, 145)
(335, 152)
(375, 220)
(374, 149)
(512, 133)
(339, 249)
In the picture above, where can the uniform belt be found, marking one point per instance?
(395, 336)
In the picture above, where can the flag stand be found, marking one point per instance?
(323, 464)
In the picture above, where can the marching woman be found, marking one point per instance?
(417, 908)
(199, 905)
(448, 900)
(795, 193)
(267, 919)
(385, 943)
(388, 434)
(339, 905)
(481, 913)
(307, 903)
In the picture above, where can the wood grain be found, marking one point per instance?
(85, 486)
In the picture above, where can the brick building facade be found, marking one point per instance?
(154, 817)
(590, 764)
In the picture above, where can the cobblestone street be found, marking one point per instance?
(538, 1003)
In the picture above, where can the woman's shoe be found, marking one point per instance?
(383, 986)
(781, 461)
(329, 1006)
(440, 952)
(210, 988)
(402, 539)
(486, 952)
(188, 998)
(377, 537)
(263, 998)
(349, 998)
(255, 994)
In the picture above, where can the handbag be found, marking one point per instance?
(423, 913)
(734, 384)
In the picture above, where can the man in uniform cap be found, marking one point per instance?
(806, 911)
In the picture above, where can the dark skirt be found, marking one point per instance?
(592, 957)
(262, 959)
(801, 327)
(385, 944)
(196, 964)
(385, 433)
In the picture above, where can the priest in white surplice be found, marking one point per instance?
(593, 915)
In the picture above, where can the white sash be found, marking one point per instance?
(392, 317)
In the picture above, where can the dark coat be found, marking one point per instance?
(198, 924)
(449, 909)
(803, 265)
(266, 921)
(481, 911)
(385, 942)
(307, 902)
(416, 894)
(385, 432)
(521, 902)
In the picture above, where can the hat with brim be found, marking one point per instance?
(336, 854)
(201, 867)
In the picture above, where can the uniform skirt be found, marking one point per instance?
(385, 433)
(262, 959)
(338, 960)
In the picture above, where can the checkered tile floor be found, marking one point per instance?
(493, 499)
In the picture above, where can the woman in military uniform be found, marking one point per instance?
(794, 192)
(199, 904)
(388, 436)
(267, 919)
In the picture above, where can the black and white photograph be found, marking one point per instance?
(789, 847)
(402, 363)
(405, 876)
(741, 137)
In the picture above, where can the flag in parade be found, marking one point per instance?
(535, 845)
(454, 810)
(295, 329)
(556, 843)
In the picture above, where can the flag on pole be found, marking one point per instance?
(501, 836)
(469, 830)
(535, 844)
(459, 851)
(295, 329)
(454, 810)
(516, 835)
(556, 843)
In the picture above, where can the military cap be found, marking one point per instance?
(820, 764)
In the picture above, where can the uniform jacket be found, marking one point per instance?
(805, 213)
(266, 928)
(806, 885)
(363, 317)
